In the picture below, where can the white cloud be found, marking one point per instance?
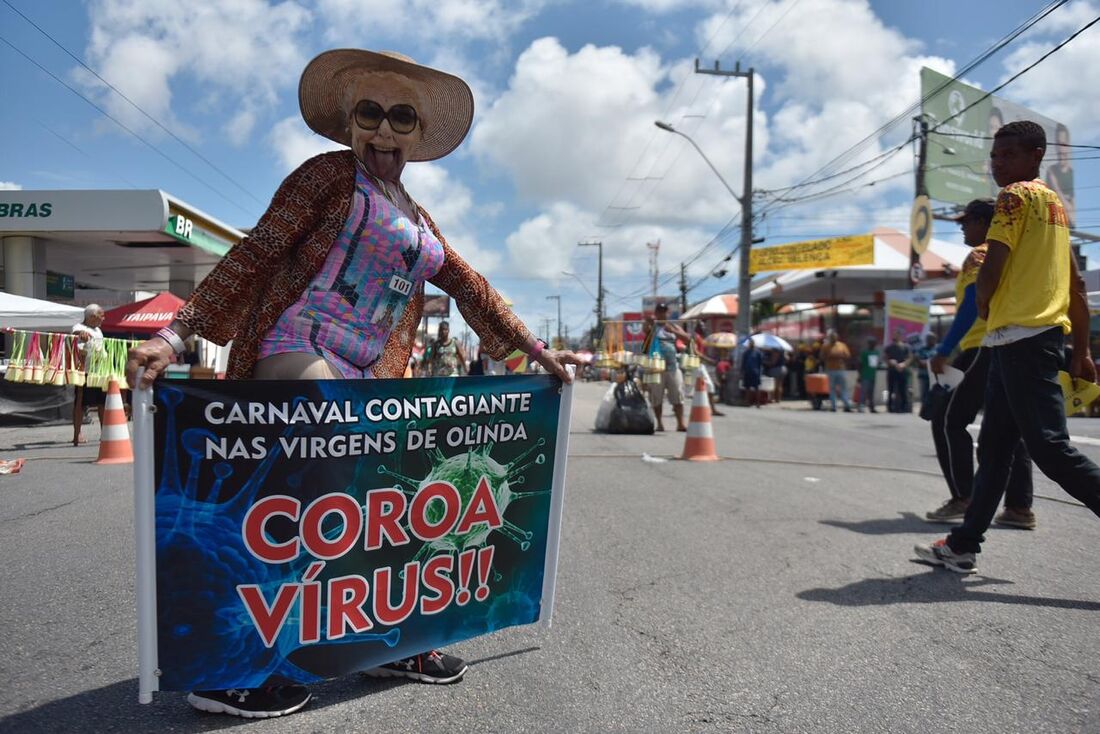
(240, 52)
(573, 130)
(838, 70)
(1055, 87)
(447, 20)
(545, 244)
(451, 205)
(10, 186)
(665, 6)
(295, 143)
(570, 127)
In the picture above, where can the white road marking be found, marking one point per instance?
(1084, 440)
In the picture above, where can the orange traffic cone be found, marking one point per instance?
(699, 445)
(114, 438)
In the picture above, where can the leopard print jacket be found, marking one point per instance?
(266, 272)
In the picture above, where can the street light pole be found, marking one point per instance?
(558, 299)
(599, 286)
(744, 290)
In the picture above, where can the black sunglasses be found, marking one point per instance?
(369, 115)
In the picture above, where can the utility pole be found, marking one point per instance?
(654, 248)
(922, 189)
(683, 289)
(599, 286)
(744, 311)
(558, 299)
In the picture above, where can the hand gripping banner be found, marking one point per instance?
(301, 530)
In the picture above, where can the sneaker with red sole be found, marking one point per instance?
(940, 554)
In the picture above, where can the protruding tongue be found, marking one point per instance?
(381, 161)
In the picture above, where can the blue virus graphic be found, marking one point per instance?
(200, 561)
(464, 471)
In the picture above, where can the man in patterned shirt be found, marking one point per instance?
(1031, 296)
(950, 434)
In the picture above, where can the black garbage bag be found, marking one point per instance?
(631, 412)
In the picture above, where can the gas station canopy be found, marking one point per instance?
(121, 240)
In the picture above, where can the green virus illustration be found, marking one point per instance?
(465, 471)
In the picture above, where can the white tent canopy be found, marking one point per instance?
(723, 304)
(20, 312)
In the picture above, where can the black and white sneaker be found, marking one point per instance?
(427, 667)
(252, 703)
(940, 554)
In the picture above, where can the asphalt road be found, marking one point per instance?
(771, 592)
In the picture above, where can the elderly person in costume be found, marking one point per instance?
(330, 282)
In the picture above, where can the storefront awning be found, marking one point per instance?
(142, 317)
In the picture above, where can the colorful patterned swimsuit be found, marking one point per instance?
(379, 261)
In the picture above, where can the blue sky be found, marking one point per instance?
(563, 147)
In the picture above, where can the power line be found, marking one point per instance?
(988, 94)
(115, 120)
(80, 150)
(842, 184)
(1022, 71)
(907, 112)
(669, 142)
(885, 154)
(744, 28)
(990, 137)
(136, 106)
(721, 25)
(724, 234)
(760, 38)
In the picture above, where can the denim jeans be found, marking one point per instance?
(924, 383)
(897, 386)
(1023, 399)
(867, 393)
(837, 379)
(955, 447)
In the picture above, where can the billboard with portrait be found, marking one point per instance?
(962, 124)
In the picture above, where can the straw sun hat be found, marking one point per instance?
(446, 106)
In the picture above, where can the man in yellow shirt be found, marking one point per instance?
(954, 446)
(1030, 294)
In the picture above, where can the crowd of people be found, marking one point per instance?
(1020, 298)
(301, 299)
(904, 364)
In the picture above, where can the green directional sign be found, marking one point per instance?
(60, 285)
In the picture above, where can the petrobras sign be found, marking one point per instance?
(81, 211)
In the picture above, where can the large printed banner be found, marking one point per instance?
(909, 312)
(307, 529)
(963, 122)
(837, 252)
